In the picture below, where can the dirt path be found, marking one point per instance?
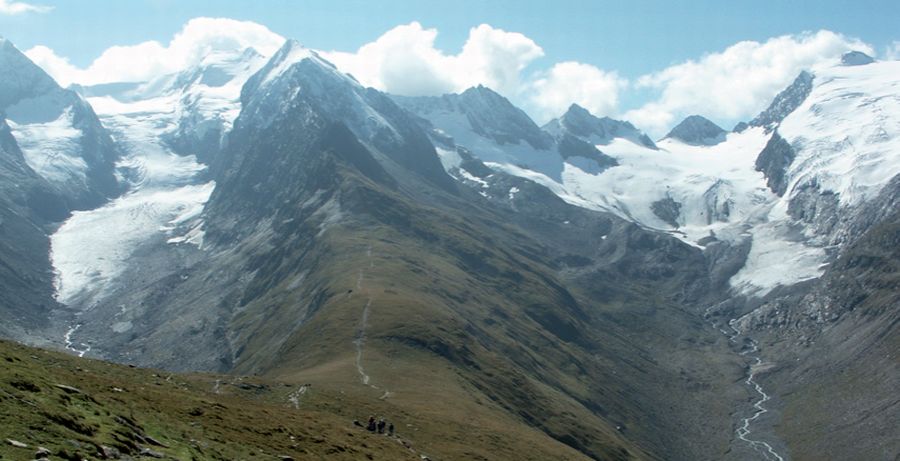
(360, 340)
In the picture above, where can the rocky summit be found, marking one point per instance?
(697, 130)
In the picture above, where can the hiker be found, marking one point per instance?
(391, 429)
(371, 426)
(381, 424)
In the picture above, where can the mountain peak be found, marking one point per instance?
(785, 102)
(697, 130)
(483, 92)
(291, 45)
(579, 122)
(577, 113)
(856, 58)
(493, 116)
(289, 54)
(288, 59)
(21, 78)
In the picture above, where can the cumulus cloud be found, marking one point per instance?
(404, 61)
(141, 62)
(567, 82)
(11, 8)
(893, 51)
(729, 85)
(737, 82)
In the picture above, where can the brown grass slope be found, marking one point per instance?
(88, 409)
(469, 329)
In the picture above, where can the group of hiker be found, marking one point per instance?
(380, 426)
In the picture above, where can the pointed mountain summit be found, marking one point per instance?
(298, 76)
(487, 114)
(579, 122)
(494, 116)
(494, 130)
(698, 131)
(21, 77)
(58, 133)
(785, 102)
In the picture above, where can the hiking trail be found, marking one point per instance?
(360, 340)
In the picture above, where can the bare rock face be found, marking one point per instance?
(856, 58)
(699, 131)
(596, 130)
(785, 102)
(668, 210)
(773, 161)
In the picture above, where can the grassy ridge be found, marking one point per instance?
(76, 407)
(479, 341)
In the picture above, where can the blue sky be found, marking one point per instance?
(632, 40)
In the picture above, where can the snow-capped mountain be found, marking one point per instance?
(167, 127)
(795, 213)
(58, 133)
(784, 103)
(577, 121)
(836, 152)
(327, 194)
(826, 138)
(298, 76)
(194, 108)
(500, 135)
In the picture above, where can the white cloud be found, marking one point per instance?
(653, 117)
(737, 82)
(8, 7)
(733, 84)
(404, 61)
(893, 51)
(134, 63)
(567, 82)
(58, 67)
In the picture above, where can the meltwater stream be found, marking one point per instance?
(78, 348)
(743, 432)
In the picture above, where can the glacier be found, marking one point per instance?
(844, 132)
(167, 190)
